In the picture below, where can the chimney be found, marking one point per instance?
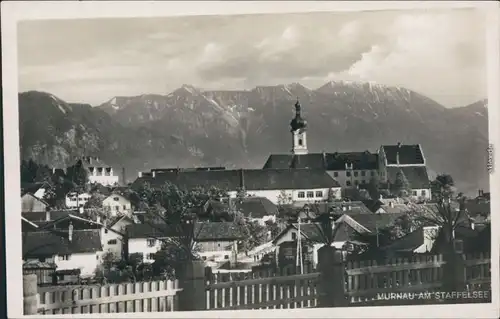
(47, 215)
(80, 210)
(481, 193)
(53, 170)
(324, 158)
(242, 178)
(391, 204)
(70, 231)
(399, 144)
(140, 174)
(381, 197)
(344, 208)
(153, 173)
(472, 225)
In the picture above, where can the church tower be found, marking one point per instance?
(298, 125)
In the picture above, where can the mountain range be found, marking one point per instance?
(193, 127)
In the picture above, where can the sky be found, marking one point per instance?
(438, 53)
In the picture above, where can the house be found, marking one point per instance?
(77, 199)
(111, 231)
(310, 212)
(348, 231)
(420, 241)
(259, 209)
(99, 172)
(214, 240)
(31, 203)
(468, 240)
(48, 216)
(349, 169)
(114, 235)
(408, 160)
(293, 185)
(117, 204)
(36, 189)
(67, 249)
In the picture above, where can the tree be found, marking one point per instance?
(173, 215)
(401, 187)
(373, 188)
(447, 214)
(43, 174)
(28, 171)
(77, 174)
(273, 228)
(442, 187)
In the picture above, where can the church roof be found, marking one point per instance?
(328, 161)
(250, 179)
(408, 154)
(416, 175)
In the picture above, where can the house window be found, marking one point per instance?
(372, 173)
(124, 207)
(310, 194)
(151, 242)
(294, 236)
(226, 257)
(60, 277)
(150, 256)
(300, 141)
(356, 182)
(112, 242)
(301, 194)
(204, 257)
(105, 231)
(356, 174)
(423, 192)
(414, 193)
(348, 183)
(97, 257)
(319, 193)
(347, 173)
(363, 173)
(218, 245)
(117, 208)
(336, 174)
(116, 199)
(64, 257)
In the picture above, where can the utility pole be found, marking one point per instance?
(300, 262)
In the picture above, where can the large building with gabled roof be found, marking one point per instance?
(353, 169)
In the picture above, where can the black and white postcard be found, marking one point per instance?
(251, 159)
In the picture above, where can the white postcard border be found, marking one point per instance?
(13, 11)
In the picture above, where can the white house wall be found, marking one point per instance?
(275, 195)
(342, 178)
(140, 245)
(72, 201)
(86, 262)
(117, 204)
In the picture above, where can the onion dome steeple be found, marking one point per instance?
(298, 123)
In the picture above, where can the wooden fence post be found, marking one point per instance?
(454, 272)
(192, 281)
(332, 278)
(30, 294)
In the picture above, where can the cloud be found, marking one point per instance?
(440, 54)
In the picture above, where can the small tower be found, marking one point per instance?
(298, 125)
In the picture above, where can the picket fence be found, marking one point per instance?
(153, 296)
(366, 280)
(280, 292)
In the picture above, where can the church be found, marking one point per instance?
(355, 169)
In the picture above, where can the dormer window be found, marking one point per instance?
(300, 142)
